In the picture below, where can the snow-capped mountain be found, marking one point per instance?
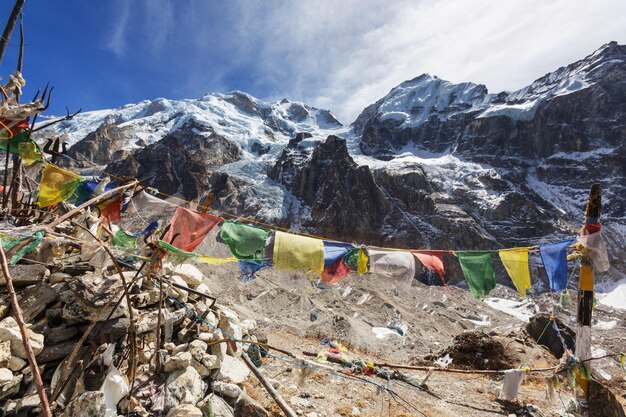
(431, 164)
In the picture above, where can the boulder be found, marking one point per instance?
(246, 406)
(9, 331)
(183, 385)
(23, 275)
(5, 376)
(16, 364)
(192, 276)
(233, 370)
(33, 300)
(178, 361)
(229, 323)
(180, 294)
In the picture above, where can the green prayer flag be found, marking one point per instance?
(24, 146)
(478, 270)
(175, 255)
(124, 240)
(9, 242)
(245, 242)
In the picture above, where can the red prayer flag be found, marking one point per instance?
(432, 260)
(188, 228)
(336, 272)
(112, 212)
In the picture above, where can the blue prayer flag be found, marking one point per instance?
(554, 258)
(333, 251)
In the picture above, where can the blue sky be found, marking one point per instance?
(340, 55)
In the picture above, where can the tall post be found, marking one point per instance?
(585, 289)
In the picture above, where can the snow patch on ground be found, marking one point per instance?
(612, 294)
(523, 310)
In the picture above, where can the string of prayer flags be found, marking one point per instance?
(57, 185)
(478, 270)
(179, 256)
(598, 255)
(357, 260)
(245, 242)
(188, 228)
(334, 251)
(432, 260)
(554, 258)
(300, 253)
(397, 266)
(515, 262)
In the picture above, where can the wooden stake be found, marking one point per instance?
(17, 312)
(585, 290)
(269, 388)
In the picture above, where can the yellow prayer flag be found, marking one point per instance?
(298, 253)
(211, 260)
(516, 264)
(56, 185)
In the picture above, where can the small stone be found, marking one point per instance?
(233, 370)
(183, 295)
(197, 348)
(179, 361)
(12, 387)
(5, 352)
(227, 390)
(205, 337)
(246, 406)
(57, 277)
(5, 376)
(88, 404)
(11, 332)
(185, 410)
(16, 364)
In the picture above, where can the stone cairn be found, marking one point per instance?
(99, 360)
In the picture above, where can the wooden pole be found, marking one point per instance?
(585, 289)
(17, 312)
(269, 388)
(8, 29)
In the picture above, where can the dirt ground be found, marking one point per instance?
(296, 315)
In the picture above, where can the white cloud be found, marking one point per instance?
(345, 55)
(117, 41)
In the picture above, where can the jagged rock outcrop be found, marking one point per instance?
(182, 161)
(107, 143)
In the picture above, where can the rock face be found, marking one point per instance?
(181, 160)
(432, 164)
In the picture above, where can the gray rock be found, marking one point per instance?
(11, 387)
(185, 410)
(178, 361)
(5, 376)
(219, 407)
(23, 275)
(16, 364)
(226, 390)
(11, 332)
(184, 385)
(189, 273)
(35, 299)
(57, 277)
(248, 407)
(233, 370)
(5, 352)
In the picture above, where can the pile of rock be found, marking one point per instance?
(195, 370)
